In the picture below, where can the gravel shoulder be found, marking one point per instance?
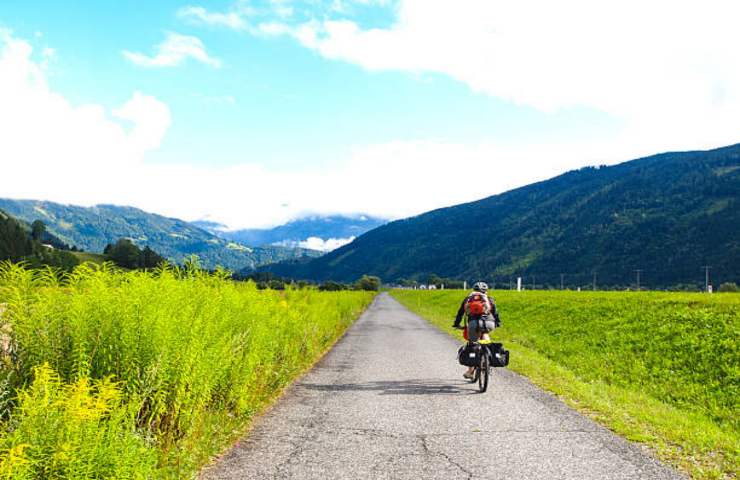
(389, 402)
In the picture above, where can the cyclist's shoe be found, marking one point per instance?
(468, 376)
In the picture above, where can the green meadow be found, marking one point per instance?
(113, 374)
(662, 369)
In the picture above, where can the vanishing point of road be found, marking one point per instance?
(389, 402)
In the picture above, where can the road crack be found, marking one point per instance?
(430, 453)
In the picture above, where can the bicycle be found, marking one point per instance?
(482, 371)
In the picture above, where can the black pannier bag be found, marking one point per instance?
(468, 355)
(499, 355)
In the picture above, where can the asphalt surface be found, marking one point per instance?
(389, 402)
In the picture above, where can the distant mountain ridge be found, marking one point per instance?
(667, 215)
(315, 231)
(92, 228)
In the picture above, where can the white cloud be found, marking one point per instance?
(174, 50)
(51, 148)
(282, 8)
(234, 19)
(85, 154)
(620, 57)
(47, 54)
(666, 69)
(150, 117)
(394, 179)
(317, 243)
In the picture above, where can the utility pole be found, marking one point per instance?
(561, 281)
(509, 282)
(638, 271)
(533, 284)
(706, 277)
(594, 286)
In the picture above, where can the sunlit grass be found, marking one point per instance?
(658, 368)
(175, 361)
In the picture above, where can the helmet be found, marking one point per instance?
(480, 287)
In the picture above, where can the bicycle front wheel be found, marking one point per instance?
(484, 371)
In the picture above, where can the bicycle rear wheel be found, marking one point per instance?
(484, 370)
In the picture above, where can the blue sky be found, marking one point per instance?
(264, 111)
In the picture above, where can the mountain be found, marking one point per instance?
(315, 232)
(92, 228)
(667, 215)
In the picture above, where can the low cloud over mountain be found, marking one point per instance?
(315, 232)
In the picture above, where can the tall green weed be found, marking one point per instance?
(193, 354)
(81, 430)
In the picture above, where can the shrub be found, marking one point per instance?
(330, 286)
(194, 354)
(126, 254)
(80, 430)
(368, 283)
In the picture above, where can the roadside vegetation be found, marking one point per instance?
(146, 374)
(270, 280)
(658, 368)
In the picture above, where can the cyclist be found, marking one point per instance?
(482, 316)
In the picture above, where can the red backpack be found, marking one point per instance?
(477, 305)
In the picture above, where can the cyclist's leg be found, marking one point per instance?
(472, 327)
(473, 330)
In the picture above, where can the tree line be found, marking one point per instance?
(33, 245)
(563, 281)
(268, 280)
(127, 254)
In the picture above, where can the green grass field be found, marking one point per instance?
(139, 375)
(658, 368)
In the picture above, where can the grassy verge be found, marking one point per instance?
(112, 374)
(658, 368)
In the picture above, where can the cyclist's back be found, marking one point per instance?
(482, 316)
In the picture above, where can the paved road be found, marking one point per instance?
(389, 402)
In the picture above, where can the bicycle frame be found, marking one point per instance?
(483, 370)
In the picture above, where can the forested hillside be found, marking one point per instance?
(667, 215)
(95, 227)
(32, 244)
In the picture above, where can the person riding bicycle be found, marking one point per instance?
(482, 316)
